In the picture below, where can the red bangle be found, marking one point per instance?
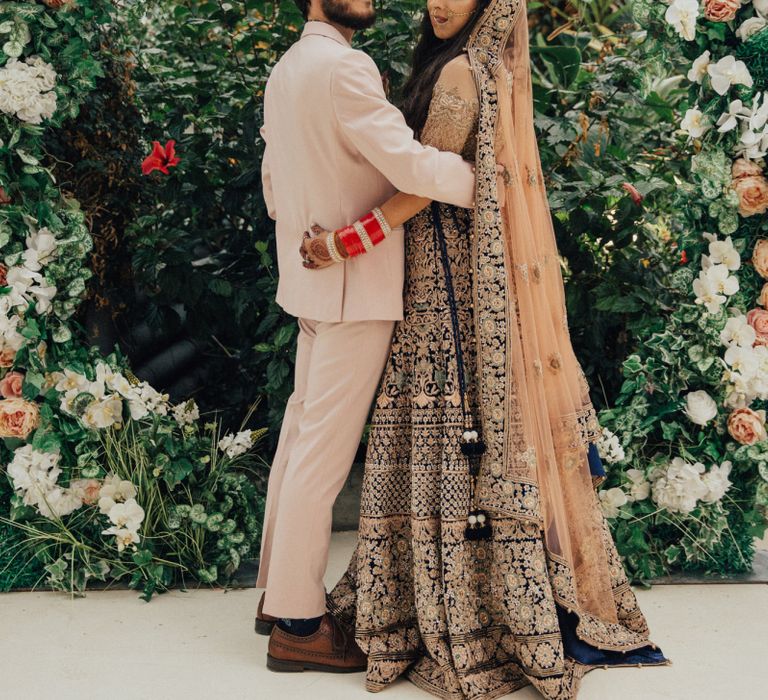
(351, 241)
(373, 227)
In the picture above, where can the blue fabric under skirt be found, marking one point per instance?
(595, 463)
(578, 649)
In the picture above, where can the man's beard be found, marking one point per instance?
(338, 11)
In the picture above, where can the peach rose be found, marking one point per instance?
(10, 385)
(751, 186)
(87, 489)
(746, 426)
(760, 258)
(3, 273)
(7, 356)
(18, 417)
(758, 319)
(763, 298)
(721, 10)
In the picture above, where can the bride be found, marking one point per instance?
(483, 561)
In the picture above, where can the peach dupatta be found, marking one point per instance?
(536, 416)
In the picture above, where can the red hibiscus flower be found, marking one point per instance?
(161, 158)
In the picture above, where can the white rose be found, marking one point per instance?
(700, 407)
(750, 27)
(761, 6)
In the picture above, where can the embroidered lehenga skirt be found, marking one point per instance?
(461, 619)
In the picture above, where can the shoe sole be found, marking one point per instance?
(282, 666)
(263, 627)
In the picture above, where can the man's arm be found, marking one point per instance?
(379, 131)
(266, 178)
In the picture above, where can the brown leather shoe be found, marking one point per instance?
(332, 648)
(264, 622)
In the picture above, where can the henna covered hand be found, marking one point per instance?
(314, 249)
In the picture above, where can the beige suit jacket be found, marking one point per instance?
(335, 149)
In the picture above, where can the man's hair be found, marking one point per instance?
(303, 5)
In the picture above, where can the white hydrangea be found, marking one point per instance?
(640, 487)
(186, 413)
(609, 448)
(611, 501)
(717, 482)
(679, 488)
(35, 474)
(236, 445)
(26, 89)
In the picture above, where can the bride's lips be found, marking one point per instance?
(439, 20)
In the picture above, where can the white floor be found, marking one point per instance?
(201, 645)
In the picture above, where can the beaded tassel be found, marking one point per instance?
(478, 521)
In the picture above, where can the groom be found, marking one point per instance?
(335, 148)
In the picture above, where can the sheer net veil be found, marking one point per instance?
(536, 416)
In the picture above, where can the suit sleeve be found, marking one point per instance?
(379, 131)
(266, 178)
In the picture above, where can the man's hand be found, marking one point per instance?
(314, 249)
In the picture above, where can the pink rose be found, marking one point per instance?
(18, 417)
(746, 426)
(87, 489)
(7, 356)
(758, 319)
(721, 10)
(10, 385)
(763, 298)
(751, 186)
(760, 258)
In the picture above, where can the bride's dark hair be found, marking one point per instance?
(429, 57)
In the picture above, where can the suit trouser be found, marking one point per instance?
(338, 369)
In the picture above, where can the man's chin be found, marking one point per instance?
(353, 21)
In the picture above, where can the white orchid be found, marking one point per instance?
(695, 123)
(682, 14)
(727, 72)
(729, 120)
(41, 249)
(700, 407)
(611, 500)
(738, 331)
(713, 285)
(723, 252)
(742, 360)
(123, 536)
(699, 67)
(115, 490)
(128, 514)
(752, 145)
(103, 412)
